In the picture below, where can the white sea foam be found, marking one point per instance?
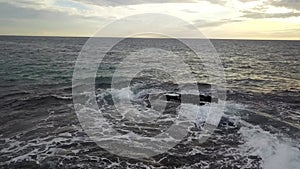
(196, 113)
(121, 94)
(276, 153)
(63, 97)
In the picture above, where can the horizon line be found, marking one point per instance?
(68, 36)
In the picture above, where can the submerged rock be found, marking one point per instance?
(154, 99)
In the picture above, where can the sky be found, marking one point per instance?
(219, 19)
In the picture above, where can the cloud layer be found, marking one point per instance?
(215, 17)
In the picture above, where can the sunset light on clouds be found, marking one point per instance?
(224, 19)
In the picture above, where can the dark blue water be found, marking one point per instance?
(39, 129)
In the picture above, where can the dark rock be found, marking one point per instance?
(180, 98)
(33, 156)
(173, 97)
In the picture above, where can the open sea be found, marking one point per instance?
(39, 128)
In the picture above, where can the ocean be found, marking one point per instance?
(39, 127)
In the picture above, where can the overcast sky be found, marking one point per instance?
(239, 19)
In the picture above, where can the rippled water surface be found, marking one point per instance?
(39, 128)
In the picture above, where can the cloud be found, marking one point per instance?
(205, 23)
(272, 9)
(189, 11)
(259, 15)
(28, 21)
(84, 17)
(131, 2)
(30, 3)
(291, 4)
(247, 1)
(68, 7)
(220, 2)
(137, 2)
